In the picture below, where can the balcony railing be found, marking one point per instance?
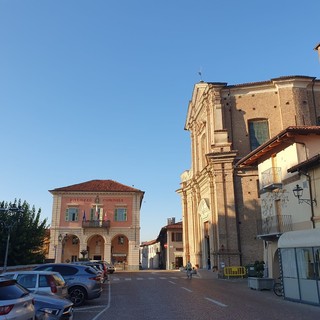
(96, 224)
(271, 178)
(274, 225)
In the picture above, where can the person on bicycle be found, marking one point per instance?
(189, 270)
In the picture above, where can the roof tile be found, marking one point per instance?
(97, 186)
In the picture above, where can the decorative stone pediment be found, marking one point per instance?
(203, 209)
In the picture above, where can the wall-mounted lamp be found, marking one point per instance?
(62, 238)
(298, 192)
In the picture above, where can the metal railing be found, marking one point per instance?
(96, 224)
(274, 225)
(271, 177)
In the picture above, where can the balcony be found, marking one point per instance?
(96, 224)
(273, 226)
(271, 179)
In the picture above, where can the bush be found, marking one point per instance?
(259, 268)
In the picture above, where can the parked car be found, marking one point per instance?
(98, 266)
(51, 307)
(84, 283)
(16, 302)
(36, 281)
(108, 267)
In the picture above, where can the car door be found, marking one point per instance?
(28, 281)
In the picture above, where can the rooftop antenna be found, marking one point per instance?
(200, 74)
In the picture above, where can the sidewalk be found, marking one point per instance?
(209, 274)
(206, 274)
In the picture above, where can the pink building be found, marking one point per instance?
(97, 219)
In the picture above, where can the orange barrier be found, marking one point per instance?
(234, 272)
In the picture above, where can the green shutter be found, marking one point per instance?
(77, 214)
(67, 215)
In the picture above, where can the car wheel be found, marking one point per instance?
(77, 295)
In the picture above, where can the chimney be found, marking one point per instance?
(171, 220)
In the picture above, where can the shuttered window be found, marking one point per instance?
(72, 214)
(258, 132)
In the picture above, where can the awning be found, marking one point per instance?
(300, 239)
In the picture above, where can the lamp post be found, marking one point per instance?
(8, 226)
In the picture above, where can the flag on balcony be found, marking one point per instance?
(97, 213)
(84, 216)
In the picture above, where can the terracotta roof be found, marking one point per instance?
(148, 243)
(97, 186)
(177, 225)
(312, 162)
(286, 136)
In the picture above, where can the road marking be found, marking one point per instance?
(127, 279)
(151, 278)
(172, 282)
(107, 307)
(216, 302)
(162, 278)
(140, 278)
(186, 289)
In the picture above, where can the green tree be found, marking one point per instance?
(27, 234)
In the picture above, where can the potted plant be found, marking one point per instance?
(259, 282)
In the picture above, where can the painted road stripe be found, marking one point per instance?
(186, 289)
(216, 302)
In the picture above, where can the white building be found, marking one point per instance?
(289, 184)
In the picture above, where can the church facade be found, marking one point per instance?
(221, 203)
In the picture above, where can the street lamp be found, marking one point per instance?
(298, 192)
(8, 226)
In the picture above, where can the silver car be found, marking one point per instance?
(44, 281)
(16, 302)
(84, 283)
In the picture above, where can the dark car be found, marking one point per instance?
(16, 302)
(84, 282)
(51, 307)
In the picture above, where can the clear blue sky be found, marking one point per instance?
(99, 89)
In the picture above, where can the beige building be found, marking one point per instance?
(97, 219)
(171, 245)
(289, 185)
(165, 252)
(221, 205)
